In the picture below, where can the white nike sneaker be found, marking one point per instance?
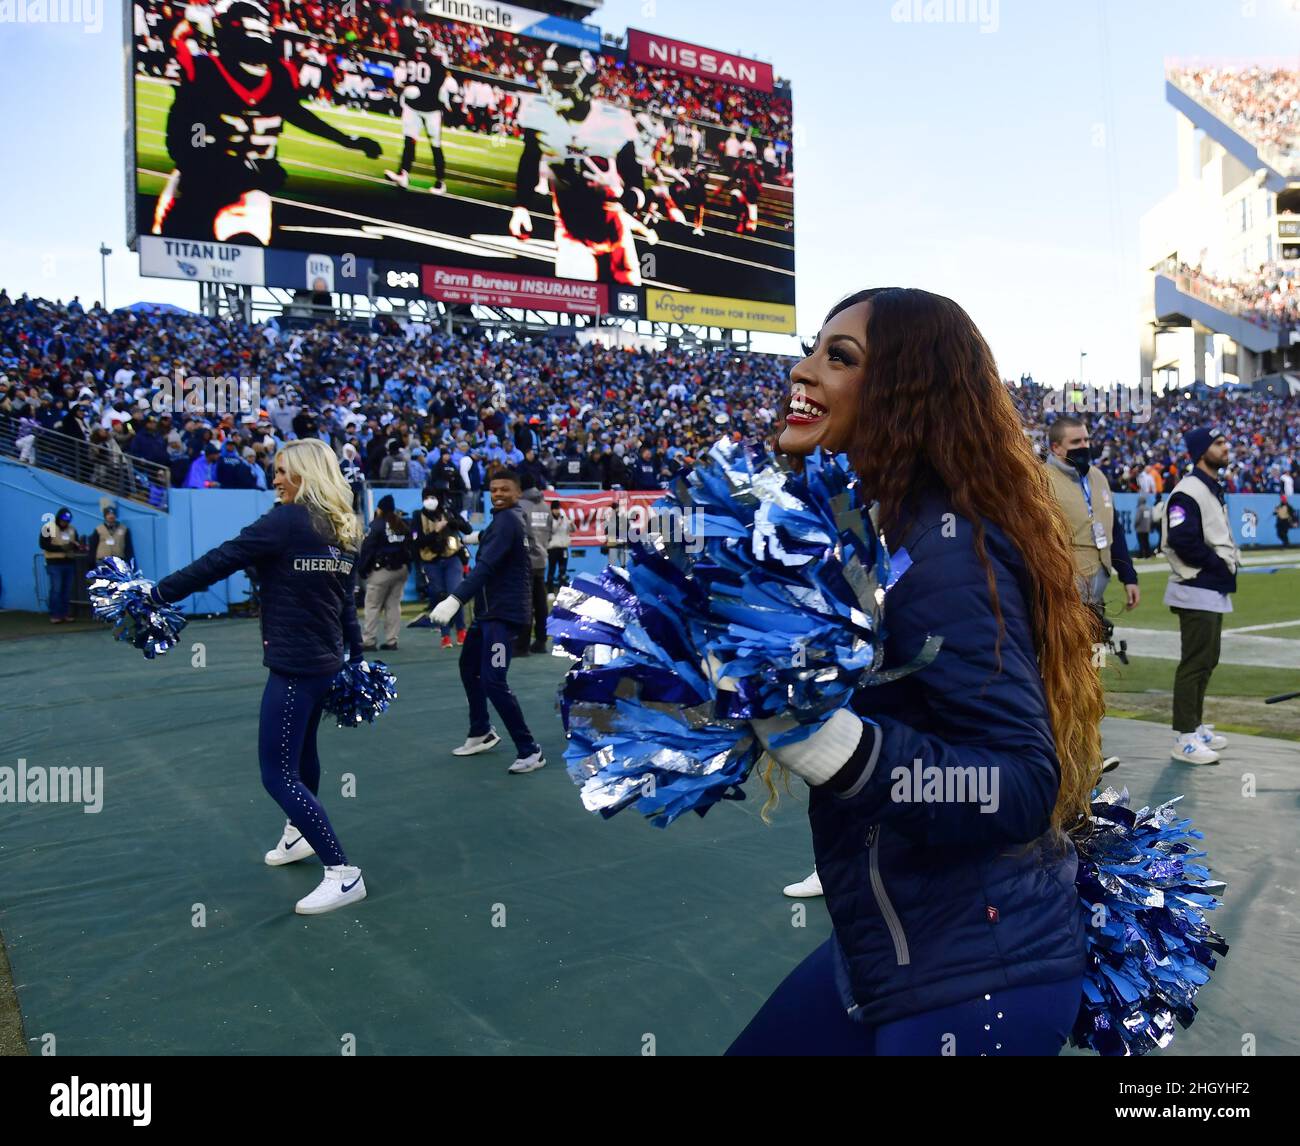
(806, 888)
(1189, 749)
(293, 846)
(1211, 739)
(342, 885)
(475, 744)
(528, 763)
(398, 177)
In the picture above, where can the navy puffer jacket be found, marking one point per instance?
(936, 901)
(309, 615)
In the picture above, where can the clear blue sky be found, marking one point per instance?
(1007, 169)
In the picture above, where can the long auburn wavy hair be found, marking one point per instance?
(934, 409)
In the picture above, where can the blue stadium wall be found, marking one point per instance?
(198, 521)
(202, 519)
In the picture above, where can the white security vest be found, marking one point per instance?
(1215, 527)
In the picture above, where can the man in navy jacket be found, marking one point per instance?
(500, 587)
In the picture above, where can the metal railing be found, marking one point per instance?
(100, 466)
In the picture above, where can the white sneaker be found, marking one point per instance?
(476, 744)
(439, 188)
(805, 888)
(292, 847)
(1189, 749)
(528, 763)
(1211, 739)
(342, 885)
(398, 177)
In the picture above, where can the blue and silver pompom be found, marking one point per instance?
(124, 598)
(360, 692)
(757, 593)
(1150, 948)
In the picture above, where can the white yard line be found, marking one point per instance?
(1264, 652)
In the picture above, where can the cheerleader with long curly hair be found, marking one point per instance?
(942, 803)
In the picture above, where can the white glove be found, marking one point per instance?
(521, 223)
(817, 757)
(444, 610)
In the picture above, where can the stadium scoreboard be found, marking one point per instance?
(462, 152)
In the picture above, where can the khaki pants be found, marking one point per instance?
(384, 598)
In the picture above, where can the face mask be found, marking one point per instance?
(1080, 458)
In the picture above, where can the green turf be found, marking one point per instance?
(477, 165)
(1260, 599)
(1142, 674)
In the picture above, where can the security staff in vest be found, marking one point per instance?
(1098, 548)
(111, 538)
(1204, 558)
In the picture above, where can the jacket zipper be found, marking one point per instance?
(892, 921)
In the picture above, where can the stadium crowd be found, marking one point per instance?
(397, 403)
(418, 407)
(1262, 103)
(1263, 434)
(1271, 295)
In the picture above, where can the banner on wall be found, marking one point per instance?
(592, 515)
(1249, 514)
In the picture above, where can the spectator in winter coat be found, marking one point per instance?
(557, 549)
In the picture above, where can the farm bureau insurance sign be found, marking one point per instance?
(500, 288)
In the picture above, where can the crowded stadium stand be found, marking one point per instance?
(1222, 251)
(87, 381)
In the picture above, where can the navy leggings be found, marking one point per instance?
(484, 662)
(286, 749)
(804, 1016)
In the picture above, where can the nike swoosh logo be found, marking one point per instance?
(350, 886)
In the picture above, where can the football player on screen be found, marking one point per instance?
(426, 86)
(224, 125)
(582, 151)
(746, 188)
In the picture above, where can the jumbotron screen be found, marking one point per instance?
(360, 145)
